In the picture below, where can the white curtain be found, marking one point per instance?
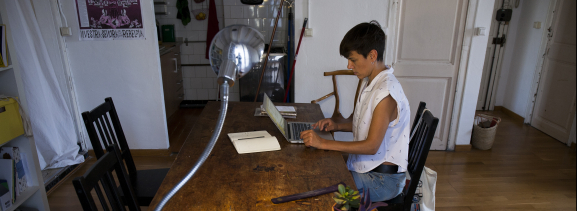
(50, 116)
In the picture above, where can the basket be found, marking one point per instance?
(484, 131)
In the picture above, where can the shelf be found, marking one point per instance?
(5, 68)
(23, 197)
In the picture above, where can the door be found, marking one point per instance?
(554, 109)
(429, 43)
(493, 60)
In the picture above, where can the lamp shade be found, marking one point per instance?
(234, 51)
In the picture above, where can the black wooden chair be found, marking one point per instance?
(144, 182)
(421, 139)
(102, 171)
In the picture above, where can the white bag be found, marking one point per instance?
(424, 198)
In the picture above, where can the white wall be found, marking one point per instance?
(126, 70)
(330, 21)
(521, 56)
(474, 68)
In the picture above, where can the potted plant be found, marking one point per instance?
(346, 198)
(349, 199)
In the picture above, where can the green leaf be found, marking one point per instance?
(354, 204)
(338, 195)
(347, 207)
(351, 192)
(339, 201)
(356, 193)
(341, 188)
(356, 197)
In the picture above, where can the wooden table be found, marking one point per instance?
(230, 181)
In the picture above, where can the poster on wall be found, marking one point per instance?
(110, 19)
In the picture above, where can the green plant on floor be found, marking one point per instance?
(346, 198)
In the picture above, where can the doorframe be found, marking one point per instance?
(462, 73)
(63, 54)
(551, 16)
(491, 83)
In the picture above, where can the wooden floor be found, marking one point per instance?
(525, 170)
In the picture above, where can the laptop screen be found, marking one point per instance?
(275, 115)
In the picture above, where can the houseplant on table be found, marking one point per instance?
(349, 199)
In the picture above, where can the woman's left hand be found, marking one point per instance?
(312, 139)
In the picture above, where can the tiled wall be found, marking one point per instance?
(200, 81)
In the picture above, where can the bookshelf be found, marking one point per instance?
(11, 85)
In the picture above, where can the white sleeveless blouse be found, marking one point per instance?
(395, 145)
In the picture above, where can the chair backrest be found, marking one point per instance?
(106, 131)
(101, 172)
(337, 116)
(419, 146)
(422, 107)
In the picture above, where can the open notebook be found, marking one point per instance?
(256, 141)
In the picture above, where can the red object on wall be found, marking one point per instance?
(212, 28)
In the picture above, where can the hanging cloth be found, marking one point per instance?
(183, 11)
(50, 115)
(212, 28)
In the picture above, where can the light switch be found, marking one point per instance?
(537, 25)
(480, 31)
(308, 32)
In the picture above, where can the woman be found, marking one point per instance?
(380, 124)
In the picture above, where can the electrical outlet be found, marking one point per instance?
(308, 32)
(65, 31)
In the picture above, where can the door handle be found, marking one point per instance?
(175, 65)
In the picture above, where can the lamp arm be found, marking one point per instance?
(207, 150)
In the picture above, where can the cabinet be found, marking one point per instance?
(172, 82)
(11, 85)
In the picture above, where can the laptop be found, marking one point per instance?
(290, 130)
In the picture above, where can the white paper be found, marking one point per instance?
(256, 141)
(286, 108)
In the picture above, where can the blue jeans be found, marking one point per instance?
(381, 186)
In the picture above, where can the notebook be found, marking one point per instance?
(251, 142)
(290, 130)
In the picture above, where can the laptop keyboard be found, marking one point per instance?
(297, 128)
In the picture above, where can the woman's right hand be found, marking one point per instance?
(325, 125)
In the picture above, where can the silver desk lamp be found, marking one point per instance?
(233, 52)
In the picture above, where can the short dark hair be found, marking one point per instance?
(363, 38)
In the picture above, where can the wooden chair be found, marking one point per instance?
(102, 171)
(144, 182)
(418, 151)
(337, 116)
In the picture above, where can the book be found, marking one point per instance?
(5, 197)
(7, 172)
(251, 142)
(286, 111)
(3, 43)
(20, 177)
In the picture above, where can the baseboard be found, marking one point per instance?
(510, 113)
(463, 148)
(142, 152)
(55, 177)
